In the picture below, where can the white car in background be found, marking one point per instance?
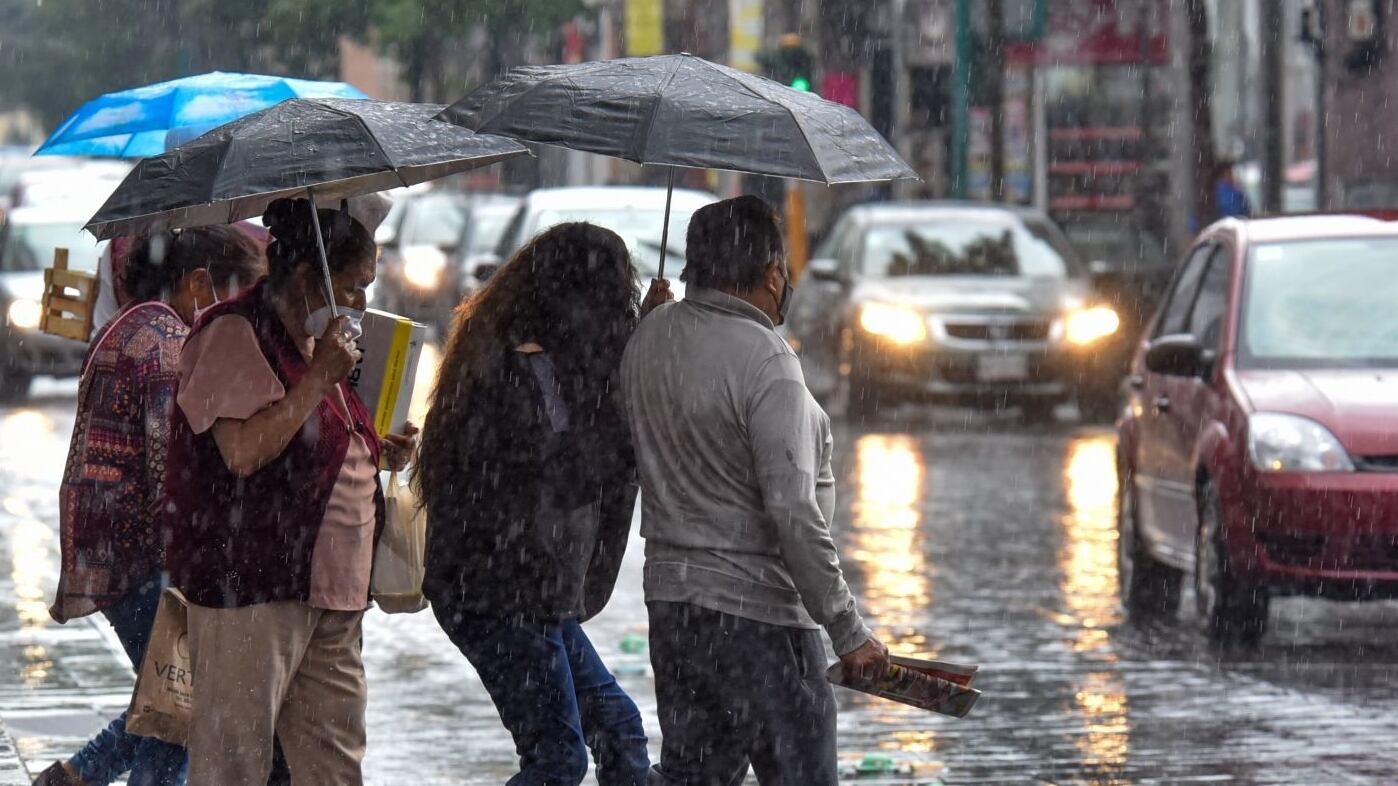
(79, 188)
(636, 213)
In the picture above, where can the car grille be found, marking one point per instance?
(1299, 550)
(998, 331)
(1377, 463)
(1370, 552)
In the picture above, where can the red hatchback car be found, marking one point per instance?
(1259, 446)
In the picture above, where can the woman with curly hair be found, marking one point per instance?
(529, 483)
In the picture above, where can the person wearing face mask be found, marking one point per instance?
(741, 573)
(275, 508)
(113, 542)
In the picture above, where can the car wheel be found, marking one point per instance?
(1230, 610)
(1149, 589)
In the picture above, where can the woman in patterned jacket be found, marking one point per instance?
(112, 542)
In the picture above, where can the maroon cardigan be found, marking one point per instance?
(241, 541)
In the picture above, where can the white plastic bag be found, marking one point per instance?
(399, 562)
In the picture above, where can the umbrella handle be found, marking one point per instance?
(665, 228)
(324, 262)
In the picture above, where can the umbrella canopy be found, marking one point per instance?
(322, 148)
(147, 121)
(682, 110)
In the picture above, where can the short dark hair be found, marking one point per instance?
(158, 261)
(288, 221)
(730, 244)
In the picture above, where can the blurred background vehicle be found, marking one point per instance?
(957, 302)
(1259, 450)
(1130, 271)
(76, 185)
(636, 213)
(432, 242)
(16, 161)
(28, 238)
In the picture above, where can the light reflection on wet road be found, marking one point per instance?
(966, 539)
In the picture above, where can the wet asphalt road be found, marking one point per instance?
(966, 537)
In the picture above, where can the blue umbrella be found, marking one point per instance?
(147, 121)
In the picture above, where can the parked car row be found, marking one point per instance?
(433, 243)
(439, 246)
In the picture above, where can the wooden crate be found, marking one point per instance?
(70, 297)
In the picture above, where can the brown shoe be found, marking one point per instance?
(58, 774)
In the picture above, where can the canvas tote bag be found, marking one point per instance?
(162, 703)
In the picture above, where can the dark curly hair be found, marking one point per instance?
(572, 290)
(158, 261)
(293, 244)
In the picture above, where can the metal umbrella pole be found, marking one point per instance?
(665, 228)
(325, 263)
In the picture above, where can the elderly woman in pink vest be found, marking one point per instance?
(275, 509)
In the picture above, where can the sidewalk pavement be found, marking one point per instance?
(59, 684)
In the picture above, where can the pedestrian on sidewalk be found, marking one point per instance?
(527, 474)
(113, 558)
(275, 508)
(737, 498)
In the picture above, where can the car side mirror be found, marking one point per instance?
(825, 269)
(1178, 355)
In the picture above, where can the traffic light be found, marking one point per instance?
(789, 63)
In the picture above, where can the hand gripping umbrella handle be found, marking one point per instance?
(324, 262)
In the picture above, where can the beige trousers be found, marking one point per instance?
(276, 668)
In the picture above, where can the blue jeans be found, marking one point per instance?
(556, 698)
(113, 751)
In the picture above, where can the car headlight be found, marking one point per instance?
(899, 324)
(1084, 326)
(1290, 443)
(24, 313)
(423, 266)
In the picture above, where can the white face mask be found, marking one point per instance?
(317, 321)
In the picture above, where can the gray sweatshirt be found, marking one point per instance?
(737, 493)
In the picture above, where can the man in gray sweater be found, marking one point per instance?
(737, 498)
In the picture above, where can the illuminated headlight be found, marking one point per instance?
(423, 266)
(1290, 443)
(1089, 325)
(24, 314)
(899, 324)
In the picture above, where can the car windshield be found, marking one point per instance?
(1321, 304)
(966, 248)
(433, 220)
(639, 227)
(486, 228)
(27, 247)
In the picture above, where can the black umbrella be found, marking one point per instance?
(682, 110)
(327, 148)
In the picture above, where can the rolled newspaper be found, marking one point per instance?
(916, 683)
